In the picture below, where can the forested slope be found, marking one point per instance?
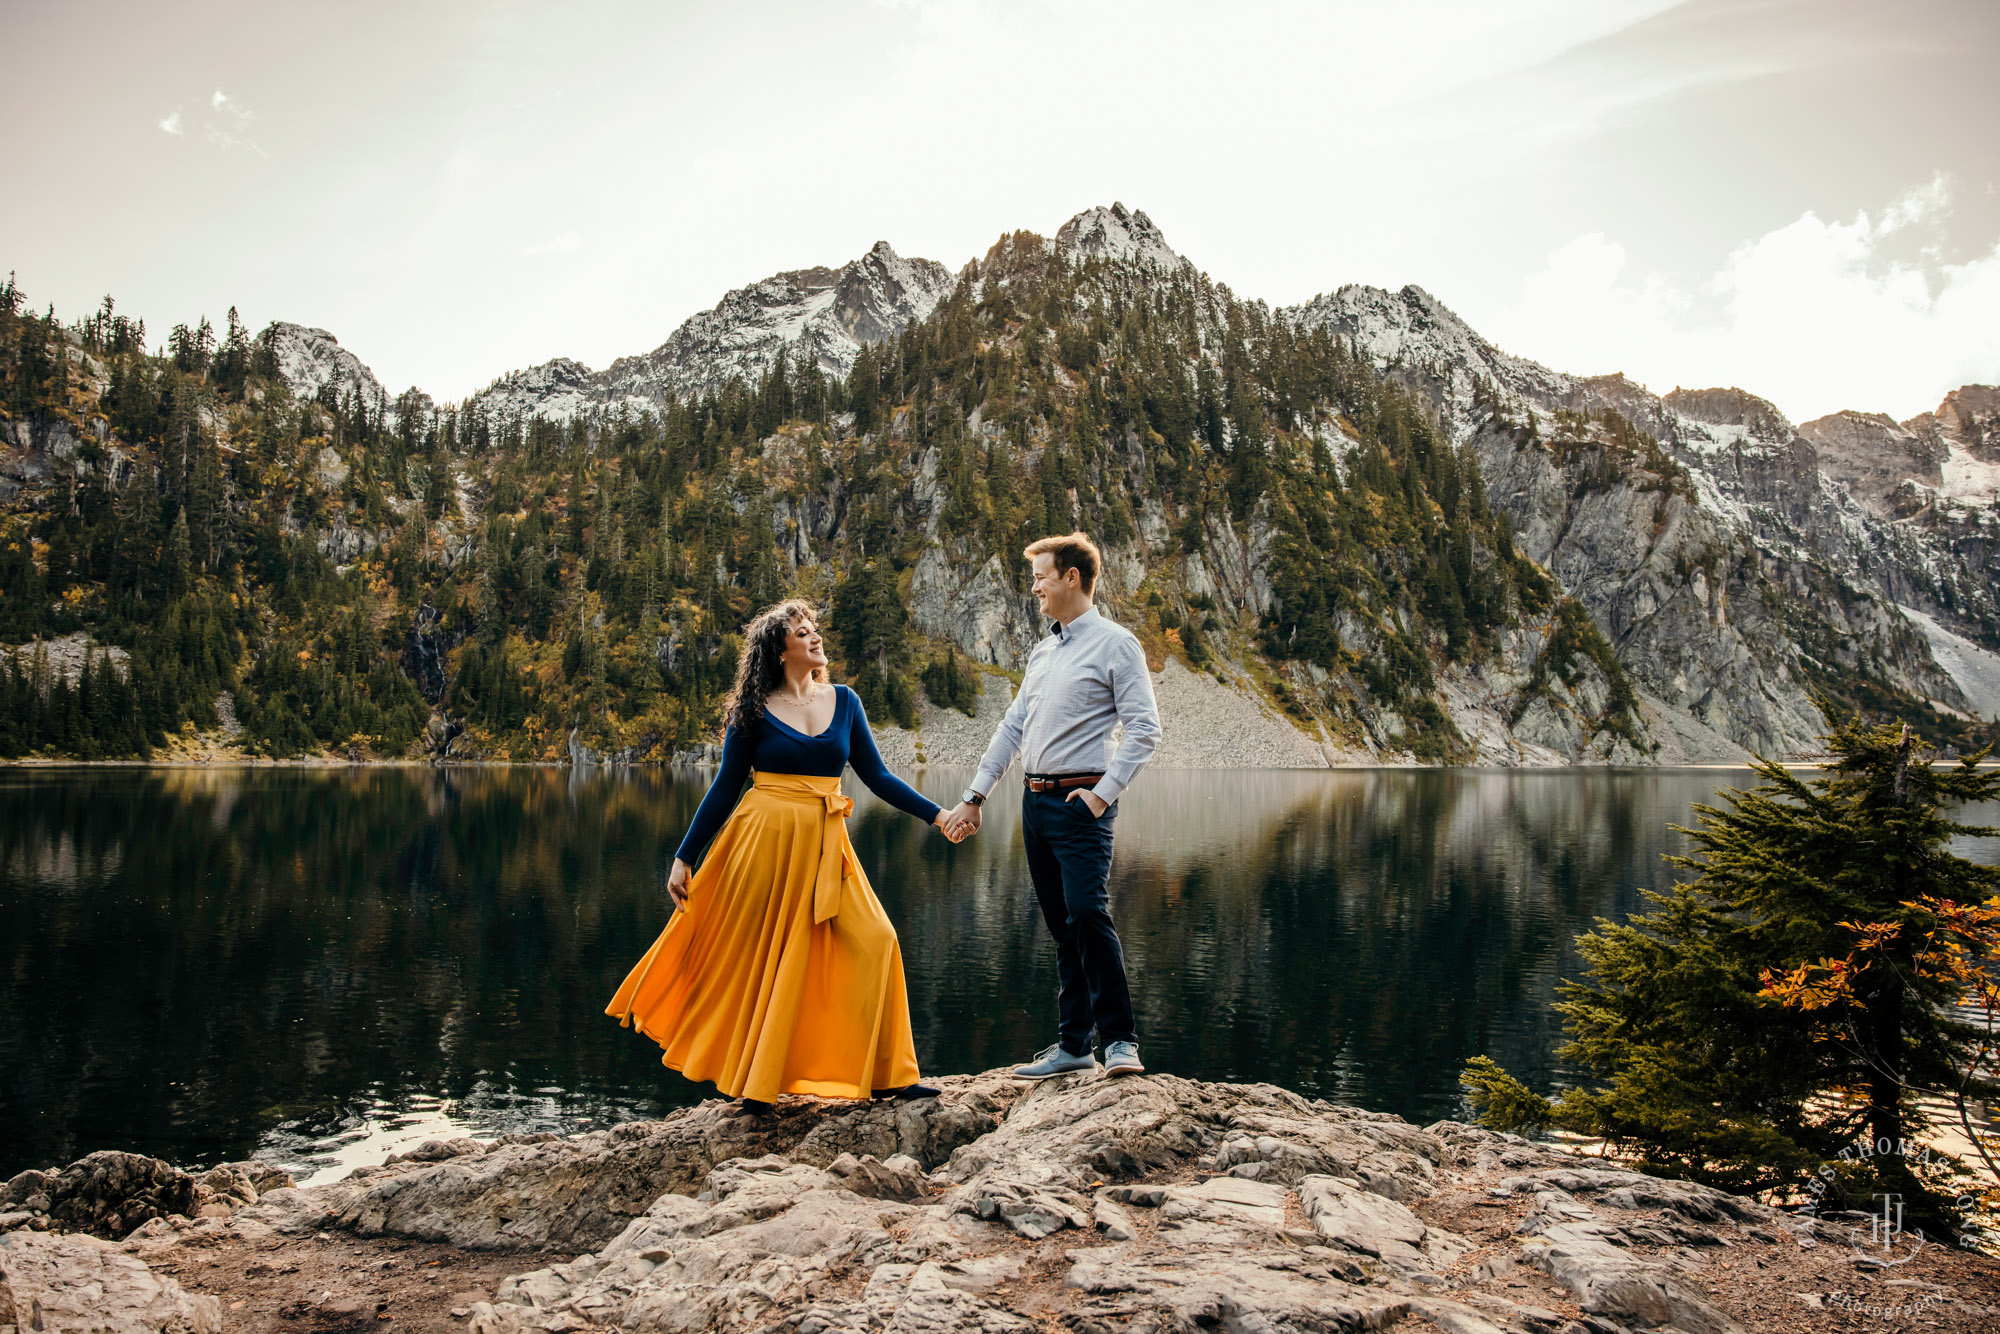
(1312, 522)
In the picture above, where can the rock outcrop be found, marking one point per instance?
(56, 1284)
(1967, 420)
(1148, 1203)
(309, 360)
(1118, 234)
(1157, 1203)
(1873, 457)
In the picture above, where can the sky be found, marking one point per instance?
(1797, 197)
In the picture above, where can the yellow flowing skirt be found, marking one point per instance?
(782, 974)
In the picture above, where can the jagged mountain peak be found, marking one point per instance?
(1969, 417)
(1759, 417)
(1116, 233)
(876, 295)
(309, 359)
(1405, 324)
(820, 313)
(1873, 456)
(1411, 326)
(558, 388)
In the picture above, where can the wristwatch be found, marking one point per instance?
(972, 798)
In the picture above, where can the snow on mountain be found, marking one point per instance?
(1751, 471)
(1413, 326)
(1114, 233)
(1872, 456)
(1821, 488)
(1966, 427)
(1840, 491)
(1976, 669)
(559, 389)
(826, 314)
(823, 314)
(309, 359)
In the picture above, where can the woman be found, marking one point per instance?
(780, 973)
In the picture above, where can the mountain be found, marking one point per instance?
(1809, 509)
(821, 315)
(1114, 234)
(308, 360)
(1349, 530)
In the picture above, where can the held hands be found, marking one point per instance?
(677, 883)
(959, 823)
(1097, 804)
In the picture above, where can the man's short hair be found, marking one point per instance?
(1072, 551)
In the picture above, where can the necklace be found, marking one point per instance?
(798, 701)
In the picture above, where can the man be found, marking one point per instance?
(1086, 675)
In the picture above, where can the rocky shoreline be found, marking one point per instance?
(1144, 1204)
(1210, 725)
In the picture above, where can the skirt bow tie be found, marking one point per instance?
(836, 859)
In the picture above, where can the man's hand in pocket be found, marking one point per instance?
(1094, 803)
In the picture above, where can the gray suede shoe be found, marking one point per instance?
(1122, 1058)
(1053, 1061)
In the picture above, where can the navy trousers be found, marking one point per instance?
(1069, 858)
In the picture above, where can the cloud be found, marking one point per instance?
(228, 119)
(172, 124)
(1816, 316)
(566, 244)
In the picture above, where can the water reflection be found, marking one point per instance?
(199, 963)
(1352, 935)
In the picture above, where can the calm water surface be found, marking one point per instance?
(315, 966)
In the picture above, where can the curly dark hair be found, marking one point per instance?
(761, 666)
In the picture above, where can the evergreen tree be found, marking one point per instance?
(180, 555)
(950, 684)
(872, 625)
(1778, 1006)
(232, 360)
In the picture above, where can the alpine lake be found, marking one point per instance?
(319, 966)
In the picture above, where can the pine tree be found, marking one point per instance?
(232, 360)
(1778, 1005)
(950, 684)
(180, 555)
(32, 367)
(16, 717)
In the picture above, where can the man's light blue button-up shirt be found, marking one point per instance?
(1081, 681)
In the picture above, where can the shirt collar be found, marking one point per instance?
(1061, 631)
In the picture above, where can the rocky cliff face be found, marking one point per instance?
(1798, 546)
(1876, 459)
(1968, 424)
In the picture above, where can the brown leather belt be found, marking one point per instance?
(1050, 782)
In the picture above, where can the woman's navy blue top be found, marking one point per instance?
(780, 748)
